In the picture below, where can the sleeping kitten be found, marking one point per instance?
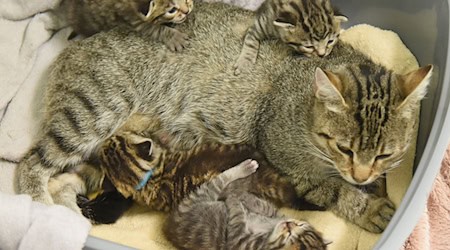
(143, 169)
(88, 17)
(310, 27)
(212, 217)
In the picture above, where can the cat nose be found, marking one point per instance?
(361, 174)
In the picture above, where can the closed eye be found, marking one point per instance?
(382, 157)
(330, 41)
(325, 136)
(345, 150)
(173, 10)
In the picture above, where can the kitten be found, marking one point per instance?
(310, 27)
(88, 17)
(328, 124)
(157, 177)
(214, 218)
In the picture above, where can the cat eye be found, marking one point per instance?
(345, 150)
(330, 41)
(308, 47)
(173, 10)
(325, 136)
(382, 157)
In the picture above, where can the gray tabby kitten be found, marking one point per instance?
(88, 17)
(213, 217)
(330, 125)
(310, 27)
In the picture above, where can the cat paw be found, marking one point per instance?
(178, 41)
(378, 214)
(247, 168)
(241, 64)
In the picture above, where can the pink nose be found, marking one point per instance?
(361, 174)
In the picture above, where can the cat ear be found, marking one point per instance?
(413, 86)
(328, 88)
(327, 242)
(340, 19)
(285, 20)
(153, 12)
(144, 149)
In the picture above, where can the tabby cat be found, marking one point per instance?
(214, 218)
(88, 17)
(328, 124)
(310, 27)
(143, 169)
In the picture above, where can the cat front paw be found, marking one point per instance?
(378, 214)
(246, 168)
(242, 63)
(178, 41)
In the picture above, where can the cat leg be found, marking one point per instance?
(257, 205)
(212, 190)
(249, 51)
(64, 189)
(236, 227)
(369, 211)
(174, 39)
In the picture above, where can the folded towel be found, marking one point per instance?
(433, 229)
(31, 225)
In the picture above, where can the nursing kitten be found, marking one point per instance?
(214, 218)
(157, 177)
(328, 124)
(310, 27)
(88, 17)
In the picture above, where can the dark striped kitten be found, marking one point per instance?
(143, 169)
(88, 17)
(212, 217)
(310, 27)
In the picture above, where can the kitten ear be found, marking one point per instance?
(285, 20)
(327, 242)
(413, 86)
(340, 19)
(328, 88)
(153, 11)
(144, 149)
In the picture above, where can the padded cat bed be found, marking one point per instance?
(423, 26)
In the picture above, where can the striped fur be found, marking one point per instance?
(214, 218)
(125, 159)
(88, 17)
(310, 27)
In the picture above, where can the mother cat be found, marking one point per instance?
(355, 119)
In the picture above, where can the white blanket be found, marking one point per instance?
(31, 36)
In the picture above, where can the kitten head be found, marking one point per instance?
(128, 159)
(311, 29)
(166, 11)
(366, 118)
(294, 234)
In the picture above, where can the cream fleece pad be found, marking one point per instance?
(141, 228)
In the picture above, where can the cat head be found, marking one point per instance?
(128, 159)
(166, 11)
(312, 29)
(365, 118)
(295, 234)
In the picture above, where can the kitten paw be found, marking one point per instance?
(178, 41)
(247, 168)
(243, 63)
(377, 215)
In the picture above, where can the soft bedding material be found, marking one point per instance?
(32, 36)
